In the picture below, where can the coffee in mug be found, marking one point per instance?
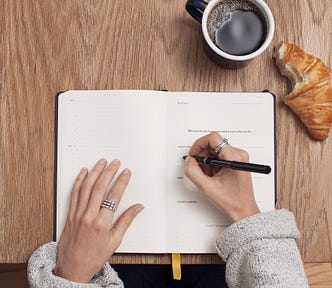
(236, 27)
(234, 31)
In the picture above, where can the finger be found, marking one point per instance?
(226, 153)
(205, 168)
(115, 194)
(205, 143)
(87, 185)
(101, 185)
(75, 192)
(195, 173)
(210, 142)
(123, 223)
(240, 155)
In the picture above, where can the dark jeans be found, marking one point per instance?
(160, 276)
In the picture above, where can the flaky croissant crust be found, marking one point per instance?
(311, 98)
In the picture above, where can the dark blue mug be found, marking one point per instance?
(200, 11)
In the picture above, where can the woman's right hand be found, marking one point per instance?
(231, 191)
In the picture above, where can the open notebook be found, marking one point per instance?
(150, 131)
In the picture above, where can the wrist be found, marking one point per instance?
(237, 215)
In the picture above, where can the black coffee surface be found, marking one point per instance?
(241, 34)
(237, 27)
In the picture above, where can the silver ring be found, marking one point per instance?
(221, 146)
(109, 204)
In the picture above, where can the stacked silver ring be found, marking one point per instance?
(109, 204)
(221, 146)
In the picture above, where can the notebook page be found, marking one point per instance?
(125, 125)
(247, 120)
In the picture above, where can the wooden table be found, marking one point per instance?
(50, 46)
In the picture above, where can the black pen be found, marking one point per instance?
(243, 166)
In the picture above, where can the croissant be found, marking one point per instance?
(311, 98)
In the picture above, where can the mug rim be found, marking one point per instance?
(270, 31)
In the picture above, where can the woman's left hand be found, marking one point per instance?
(89, 238)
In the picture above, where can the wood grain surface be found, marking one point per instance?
(50, 46)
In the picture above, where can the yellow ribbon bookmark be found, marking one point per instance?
(176, 266)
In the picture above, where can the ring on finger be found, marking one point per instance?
(110, 205)
(221, 146)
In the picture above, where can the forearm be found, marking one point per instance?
(260, 251)
(42, 263)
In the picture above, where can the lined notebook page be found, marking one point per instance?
(125, 125)
(247, 120)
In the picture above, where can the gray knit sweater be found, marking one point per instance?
(260, 251)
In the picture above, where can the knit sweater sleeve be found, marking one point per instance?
(42, 263)
(261, 251)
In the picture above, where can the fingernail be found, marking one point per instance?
(115, 161)
(83, 171)
(187, 159)
(126, 171)
(101, 161)
(139, 209)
